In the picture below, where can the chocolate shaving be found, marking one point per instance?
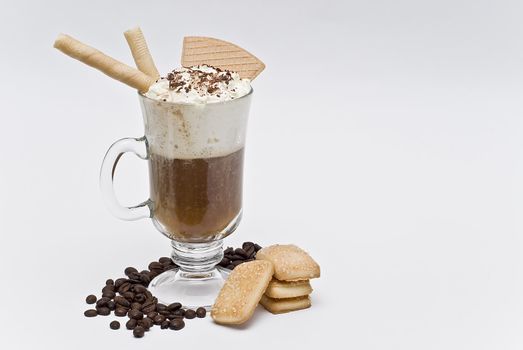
(202, 82)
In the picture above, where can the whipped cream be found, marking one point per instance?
(199, 85)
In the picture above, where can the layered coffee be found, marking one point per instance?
(196, 199)
(195, 126)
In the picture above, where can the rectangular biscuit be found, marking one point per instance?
(288, 289)
(290, 262)
(241, 292)
(278, 306)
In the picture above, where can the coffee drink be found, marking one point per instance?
(195, 154)
(195, 199)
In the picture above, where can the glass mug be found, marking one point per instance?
(195, 158)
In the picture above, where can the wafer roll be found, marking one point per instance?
(141, 55)
(108, 65)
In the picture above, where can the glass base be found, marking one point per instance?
(192, 291)
(197, 282)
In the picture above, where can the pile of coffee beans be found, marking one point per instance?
(129, 296)
(234, 257)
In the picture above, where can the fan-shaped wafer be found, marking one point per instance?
(141, 55)
(222, 54)
(106, 64)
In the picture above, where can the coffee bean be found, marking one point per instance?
(111, 305)
(147, 323)
(109, 294)
(149, 308)
(250, 251)
(152, 314)
(150, 301)
(108, 288)
(158, 319)
(155, 266)
(119, 282)
(145, 279)
(174, 306)
(241, 252)
(140, 298)
(128, 295)
(201, 312)
(139, 332)
(224, 262)
(109, 282)
(230, 267)
(165, 259)
(160, 307)
(90, 313)
(165, 312)
(91, 299)
(165, 324)
(131, 324)
(135, 278)
(124, 287)
(177, 324)
(257, 247)
(138, 288)
(136, 306)
(129, 270)
(103, 311)
(179, 312)
(114, 325)
(122, 301)
(120, 312)
(190, 314)
(136, 314)
(229, 250)
(102, 301)
(144, 326)
(247, 245)
(237, 257)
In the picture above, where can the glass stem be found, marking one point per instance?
(197, 260)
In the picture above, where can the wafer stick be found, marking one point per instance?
(108, 65)
(142, 56)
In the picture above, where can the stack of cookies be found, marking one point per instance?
(289, 288)
(278, 279)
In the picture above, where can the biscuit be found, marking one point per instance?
(279, 306)
(290, 262)
(288, 289)
(241, 292)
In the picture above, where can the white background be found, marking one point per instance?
(385, 139)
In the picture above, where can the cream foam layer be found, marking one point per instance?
(188, 131)
(199, 84)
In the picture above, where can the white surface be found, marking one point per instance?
(400, 169)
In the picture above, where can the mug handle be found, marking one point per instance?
(113, 155)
